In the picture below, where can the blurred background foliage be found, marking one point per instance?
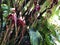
(45, 30)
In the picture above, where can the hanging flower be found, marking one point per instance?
(12, 17)
(21, 22)
(35, 2)
(37, 7)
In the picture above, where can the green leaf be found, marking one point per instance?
(4, 7)
(48, 40)
(35, 37)
(54, 22)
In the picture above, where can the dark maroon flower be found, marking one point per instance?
(37, 8)
(34, 10)
(55, 1)
(35, 2)
(12, 17)
(9, 16)
(20, 22)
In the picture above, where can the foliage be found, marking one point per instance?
(44, 30)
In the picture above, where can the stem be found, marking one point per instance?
(6, 34)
